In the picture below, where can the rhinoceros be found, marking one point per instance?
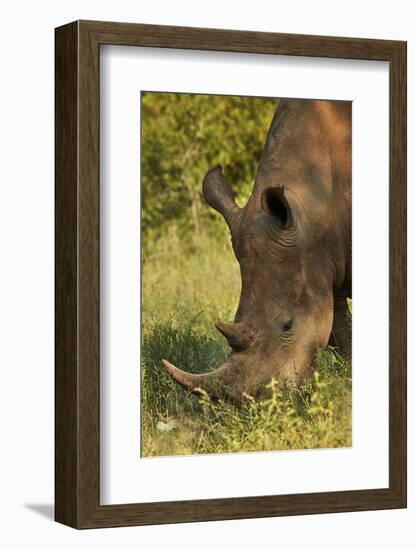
(293, 244)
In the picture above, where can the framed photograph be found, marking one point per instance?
(230, 274)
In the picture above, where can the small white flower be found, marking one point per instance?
(167, 426)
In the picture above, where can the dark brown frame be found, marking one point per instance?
(77, 274)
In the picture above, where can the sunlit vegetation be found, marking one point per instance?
(190, 280)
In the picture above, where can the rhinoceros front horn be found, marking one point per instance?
(219, 195)
(186, 379)
(228, 381)
(219, 384)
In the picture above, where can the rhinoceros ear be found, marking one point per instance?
(275, 204)
(219, 195)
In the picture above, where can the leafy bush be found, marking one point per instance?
(183, 136)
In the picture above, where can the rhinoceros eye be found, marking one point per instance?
(275, 204)
(287, 325)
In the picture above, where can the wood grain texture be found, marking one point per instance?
(398, 274)
(66, 237)
(77, 404)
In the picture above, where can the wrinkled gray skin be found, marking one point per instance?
(293, 244)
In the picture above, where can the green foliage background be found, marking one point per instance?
(185, 135)
(190, 280)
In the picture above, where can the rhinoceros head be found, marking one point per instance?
(289, 248)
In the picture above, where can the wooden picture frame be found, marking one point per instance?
(77, 374)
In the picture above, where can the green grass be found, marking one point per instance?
(188, 285)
